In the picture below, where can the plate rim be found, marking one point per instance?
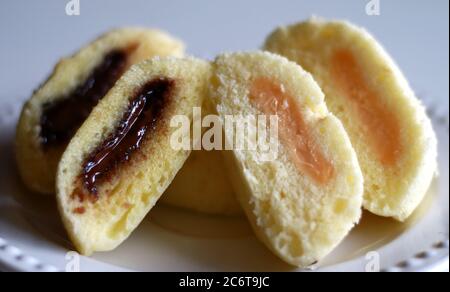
(14, 259)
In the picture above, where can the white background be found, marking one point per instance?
(35, 34)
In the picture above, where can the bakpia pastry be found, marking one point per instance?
(121, 160)
(364, 88)
(203, 186)
(58, 108)
(304, 202)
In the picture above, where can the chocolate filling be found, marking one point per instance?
(61, 119)
(141, 118)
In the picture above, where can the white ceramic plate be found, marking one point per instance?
(32, 237)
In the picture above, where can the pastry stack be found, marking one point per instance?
(351, 134)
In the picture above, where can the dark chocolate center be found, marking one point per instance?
(61, 119)
(141, 117)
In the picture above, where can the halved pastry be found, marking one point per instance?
(305, 199)
(121, 160)
(388, 126)
(58, 108)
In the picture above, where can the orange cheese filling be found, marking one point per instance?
(270, 98)
(379, 125)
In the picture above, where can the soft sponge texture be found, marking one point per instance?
(299, 219)
(133, 191)
(392, 190)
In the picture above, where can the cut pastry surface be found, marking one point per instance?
(58, 108)
(121, 160)
(364, 88)
(305, 201)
